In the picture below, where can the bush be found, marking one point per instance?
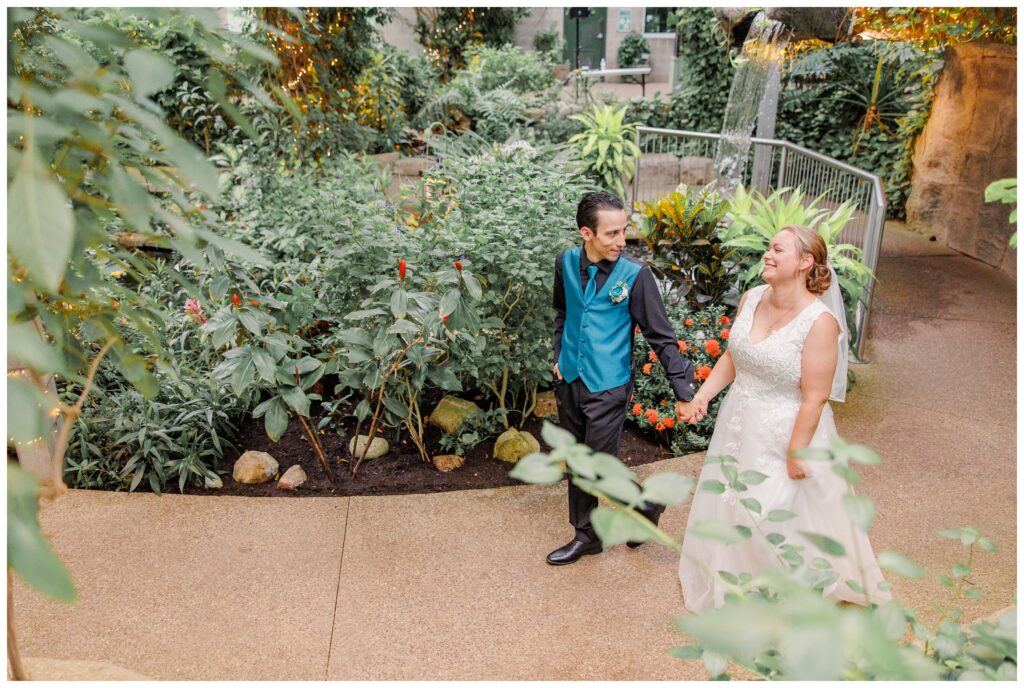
(510, 67)
(631, 51)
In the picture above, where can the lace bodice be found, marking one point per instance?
(770, 369)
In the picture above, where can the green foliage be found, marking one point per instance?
(681, 231)
(379, 97)
(548, 41)
(475, 429)
(1005, 191)
(775, 623)
(755, 219)
(631, 51)
(510, 67)
(446, 33)
(28, 553)
(707, 72)
(938, 27)
(703, 338)
(607, 147)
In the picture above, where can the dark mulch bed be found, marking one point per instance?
(398, 472)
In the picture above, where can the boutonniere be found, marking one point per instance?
(620, 292)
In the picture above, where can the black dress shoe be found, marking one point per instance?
(653, 518)
(573, 551)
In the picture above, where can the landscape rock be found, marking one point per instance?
(254, 467)
(659, 174)
(214, 483)
(451, 411)
(695, 170)
(413, 167)
(513, 445)
(546, 405)
(378, 447)
(446, 463)
(292, 478)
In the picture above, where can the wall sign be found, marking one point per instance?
(625, 20)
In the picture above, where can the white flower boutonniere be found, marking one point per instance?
(619, 292)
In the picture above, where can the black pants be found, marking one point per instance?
(595, 419)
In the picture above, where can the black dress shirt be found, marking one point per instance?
(647, 312)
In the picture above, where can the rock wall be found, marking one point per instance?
(970, 141)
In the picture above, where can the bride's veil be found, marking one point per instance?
(833, 300)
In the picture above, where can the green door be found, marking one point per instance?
(592, 32)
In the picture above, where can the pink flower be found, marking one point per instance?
(195, 311)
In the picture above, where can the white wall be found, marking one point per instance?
(540, 19)
(399, 32)
(662, 45)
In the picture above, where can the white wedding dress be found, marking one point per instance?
(754, 425)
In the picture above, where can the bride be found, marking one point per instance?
(784, 363)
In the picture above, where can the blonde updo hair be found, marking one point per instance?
(810, 242)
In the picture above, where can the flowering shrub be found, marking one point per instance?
(703, 338)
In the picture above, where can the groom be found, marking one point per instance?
(600, 295)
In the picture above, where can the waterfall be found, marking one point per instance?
(759, 61)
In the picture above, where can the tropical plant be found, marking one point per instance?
(378, 92)
(775, 624)
(548, 41)
(755, 219)
(607, 147)
(510, 67)
(446, 33)
(681, 231)
(631, 51)
(1005, 191)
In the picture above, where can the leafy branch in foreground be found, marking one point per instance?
(777, 625)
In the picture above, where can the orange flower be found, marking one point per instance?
(688, 322)
(659, 427)
(637, 409)
(713, 347)
(652, 415)
(668, 422)
(682, 345)
(647, 368)
(725, 335)
(724, 320)
(702, 372)
(652, 357)
(704, 321)
(636, 330)
(664, 402)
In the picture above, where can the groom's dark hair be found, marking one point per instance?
(586, 211)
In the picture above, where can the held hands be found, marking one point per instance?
(691, 411)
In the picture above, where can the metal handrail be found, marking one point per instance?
(874, 225)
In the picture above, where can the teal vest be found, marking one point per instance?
(598, 334)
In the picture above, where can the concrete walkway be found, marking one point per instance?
(454, 585)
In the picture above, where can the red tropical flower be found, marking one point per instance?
(669, 422)
(401, 268)
(458, 265)
(702, 372)
(724, 320)
(688, 322)
(725, 334)
(659, 427)
(647, 368)
(637, 409)
(713, 347)
(682, 345)
(235, 299)
(652, 357)
(652, 415)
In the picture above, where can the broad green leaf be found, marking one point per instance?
(28, 552)
(276, 419)
(712, 486)
(150, 72)
(667, 488)
(619, 489)
(556, 437)
(751, 504)
(399, 303)
(26, 347)
(265, 364)
(536, 469)
(234, 248)
(296, 399)
(29, 411)
(750, 477)
(449, 302)
(825, 543)
(616, 527)
(900, 565)
(716, 531)
(686, 652)
(779, 515)
(40, 224)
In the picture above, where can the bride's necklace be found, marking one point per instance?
(772, 323)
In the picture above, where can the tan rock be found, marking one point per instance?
(513, 445)
(546, 405)
(292, 478)
(413, 167)
(378, 447)
(451, 411)
(254, 467)
(446, 463)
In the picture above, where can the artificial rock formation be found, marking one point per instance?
(970, 140)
